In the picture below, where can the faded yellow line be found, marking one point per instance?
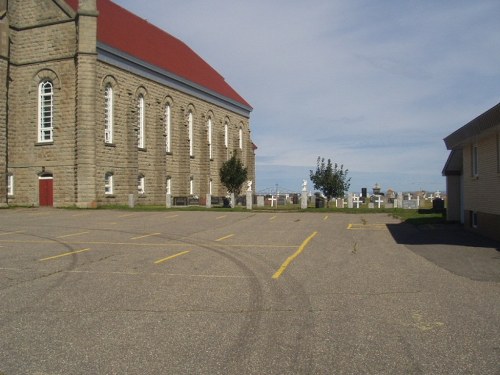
(290, 259)
(220, 217)
(171, 257)
(325, 218)
(272, 218)
(65, 254)
(144, 236)
(224, 238)
(73, 234)
(7, 233)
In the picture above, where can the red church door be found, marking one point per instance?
(46, 191)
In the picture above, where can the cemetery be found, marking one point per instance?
(376, 201)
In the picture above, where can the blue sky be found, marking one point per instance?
(372, 85)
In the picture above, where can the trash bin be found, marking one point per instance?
(320, 202)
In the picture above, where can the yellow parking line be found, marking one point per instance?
(144, 236)
(220, 217)
(272, 218)
(72, 234)
(224, 238)
(171, 257)
(325, 218)
(290, 259)
(65, 254)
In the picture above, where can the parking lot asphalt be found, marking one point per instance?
(184, 292)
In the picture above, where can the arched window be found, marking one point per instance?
(226, 135)
(190, 134)
(209, 138)
(108, 114)
(168, 129)
(45, 111)
(141, 122)
(240, 138)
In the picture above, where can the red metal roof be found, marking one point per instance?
(126, 32)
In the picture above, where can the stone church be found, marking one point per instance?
(98, 106)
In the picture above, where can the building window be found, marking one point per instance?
(474, 156)
(141, 122)
(45, 111)
(108, 183)
(108, 114)
(10, 184)
(209, 138)
(169, 185)
(226, 135)
(141, 185)
(240, 138)
(168, 128)
(191, 186)
(210, 185)
(190, 134)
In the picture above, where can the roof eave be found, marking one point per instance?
(121, 59)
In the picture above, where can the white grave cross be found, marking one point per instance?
(356, 201)
(378, 200)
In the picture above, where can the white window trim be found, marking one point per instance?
(240, 138)
(168, 128)
(141, 122)
(108, 114)
(45, 115)
(108, 184)
(141, 185)
(210, 152)
(10, 184)
(226, 135)
(190, 134)
(169, 186)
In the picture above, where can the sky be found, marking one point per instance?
(374, 86)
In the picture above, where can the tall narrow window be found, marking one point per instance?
(475, 170)
(190, 134)
(108, 114)
(169, 185)
(168, 128)
(45, 111)
(10, 184)
(209, 136)
(141, 185)
(108, 183)
(210, 185)
(240, 138)
(191, 186)
(226, 135)
(141, 122)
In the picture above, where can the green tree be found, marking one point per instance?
(330, 179)
(232, 175)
